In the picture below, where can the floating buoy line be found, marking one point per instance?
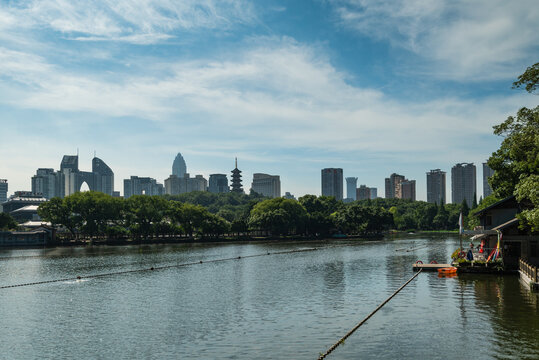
(153, 268)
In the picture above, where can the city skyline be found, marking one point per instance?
(119, 182)
(287, 87)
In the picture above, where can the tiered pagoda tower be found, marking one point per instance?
(236, 180)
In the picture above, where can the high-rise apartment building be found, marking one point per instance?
(487, 172)
(351, 186)
(3, 192)
(332, 182)
(178, 166)
(142, 186)
(374, 192)
(406, 190)
(463, 183)
(363, 192)
(267, 185)
(436, 186)
(175, 185)
(46, 182)
(218, 184)
(392, 185)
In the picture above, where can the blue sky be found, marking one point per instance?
(289, 87)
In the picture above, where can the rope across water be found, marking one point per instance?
(334, 346)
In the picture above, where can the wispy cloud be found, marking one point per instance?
(465, 40)
(285, 90)
(134, 21)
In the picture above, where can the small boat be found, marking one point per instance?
(447, 270)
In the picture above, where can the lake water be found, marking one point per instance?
(278, 306)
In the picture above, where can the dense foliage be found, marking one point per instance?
(7, 222)
(516, 162)
(198, 214)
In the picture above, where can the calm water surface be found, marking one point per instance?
(288, 306)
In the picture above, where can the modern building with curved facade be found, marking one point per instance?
(179, 168)
(69, 179)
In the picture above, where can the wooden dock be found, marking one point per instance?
(430, 267)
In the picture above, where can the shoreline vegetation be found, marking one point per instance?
(96, 218)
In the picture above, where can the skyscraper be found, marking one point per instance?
(69, 179)
(3, 191)
(363, 192)
(267, 185)
(46, 182)
(218, 184)
(406, 190)
(436, 186)
(351, 186)
(178, 167)
(463, 183)
(487, 172)
(103, 176)
(142, 186)
(332, 182)
(392, 185)
(236, 180)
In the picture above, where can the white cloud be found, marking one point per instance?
(134, 21)
(279, 89)
(465, 40)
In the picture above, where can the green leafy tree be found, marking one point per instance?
(528, 79)
(516, 162)
(528, 190)
(441, 220)
(59, 213)
(145, 214)
(7, 222)
(278, 216)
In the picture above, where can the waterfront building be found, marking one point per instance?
(392, 185)
(407, 190)
(179, 168)
(218, 184)
(69, 179)
(3, 192)
(236, 180)
(487, 172)
(22, 205)
(142, 186)
(436, 186)
(351, 185)
(332, 183)
(267, 185)
(463, 183)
